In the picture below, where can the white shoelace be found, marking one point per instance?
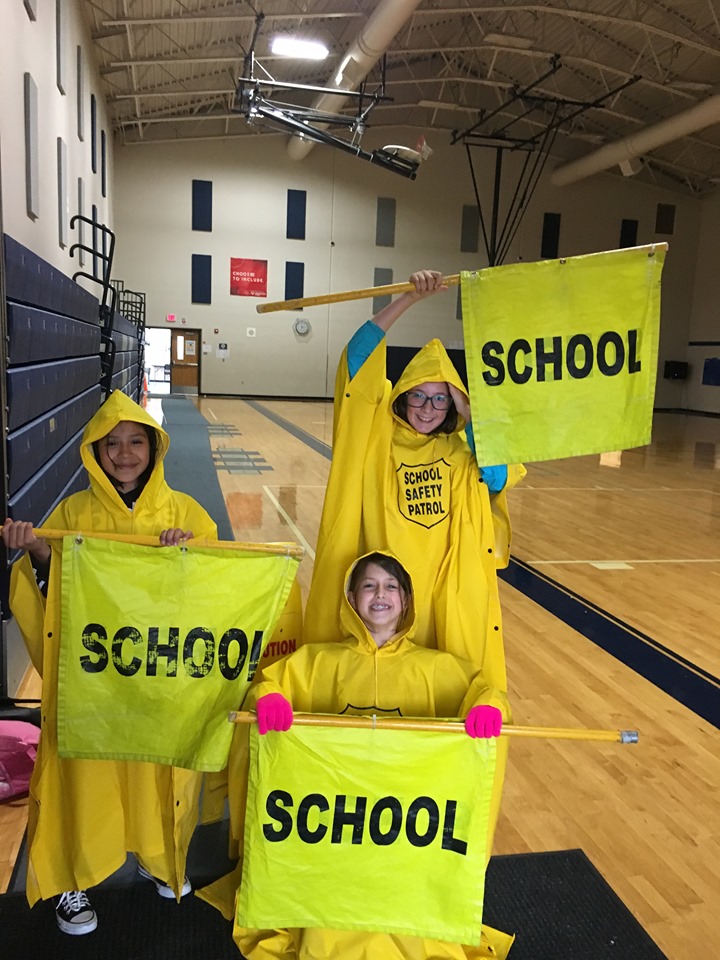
(74, 901)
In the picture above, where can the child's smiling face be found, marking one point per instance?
(426, 418)
(379, 601)
(125, 454)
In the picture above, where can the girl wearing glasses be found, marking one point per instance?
(404, 477)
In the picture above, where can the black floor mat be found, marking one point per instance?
(560, 908)
(557, 904)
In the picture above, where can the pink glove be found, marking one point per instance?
(482, 721)
(274, 712)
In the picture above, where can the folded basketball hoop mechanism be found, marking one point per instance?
(256, 99)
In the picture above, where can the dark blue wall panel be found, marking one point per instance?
(294, 280)
(202, 205)
(296, 214)
(711, 372)
(201, 278)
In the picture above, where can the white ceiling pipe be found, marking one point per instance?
(365, 51)
(689, 121)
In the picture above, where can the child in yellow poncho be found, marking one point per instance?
(378, 665)
(85, 815)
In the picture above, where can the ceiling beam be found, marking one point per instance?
(438, 12)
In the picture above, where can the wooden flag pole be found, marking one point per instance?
(445, 726)
(407, 287)
(388, 290)
(279, 549)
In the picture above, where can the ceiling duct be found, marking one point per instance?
(612, 154)
(362, 55)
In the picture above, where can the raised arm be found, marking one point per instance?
(427, 283)
(367, 337)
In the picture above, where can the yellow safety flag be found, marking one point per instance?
(158, 644)
(562, 354)
(367, 829)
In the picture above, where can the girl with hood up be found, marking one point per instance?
(404, 475)
(376, 666)
(85, 815)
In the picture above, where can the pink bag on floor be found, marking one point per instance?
(18, 749)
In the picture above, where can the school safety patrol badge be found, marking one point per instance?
(424, 492)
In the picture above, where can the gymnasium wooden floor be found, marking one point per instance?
(637, 536)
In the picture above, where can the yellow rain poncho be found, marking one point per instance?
(85, 815)
(399, 677)
(419, 496)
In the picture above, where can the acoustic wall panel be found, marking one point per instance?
(385, 222)
(201, 278)
(296, 214)
(381, 277)
(294, 280)
(202, 205)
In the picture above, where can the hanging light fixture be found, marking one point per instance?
(286, 46)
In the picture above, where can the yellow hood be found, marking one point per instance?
(353, 626)
(431, 364)
(119, 407)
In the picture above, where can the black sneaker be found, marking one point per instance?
(74, 913)
(164, 889)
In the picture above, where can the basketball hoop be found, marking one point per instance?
(405, 153)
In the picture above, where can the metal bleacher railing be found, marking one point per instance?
(122, 313)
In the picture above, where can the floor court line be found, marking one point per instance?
(679, 678)
(308, 549)
(318, 446)
(568, 563)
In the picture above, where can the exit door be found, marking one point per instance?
(185, 361)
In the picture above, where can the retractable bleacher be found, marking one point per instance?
(63, 354)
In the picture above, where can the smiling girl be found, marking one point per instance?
(86, 815)
(375, 668)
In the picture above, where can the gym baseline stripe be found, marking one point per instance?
(695, 688)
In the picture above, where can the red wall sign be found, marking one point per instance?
(248, 278)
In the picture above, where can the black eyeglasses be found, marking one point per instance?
(441, 401)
